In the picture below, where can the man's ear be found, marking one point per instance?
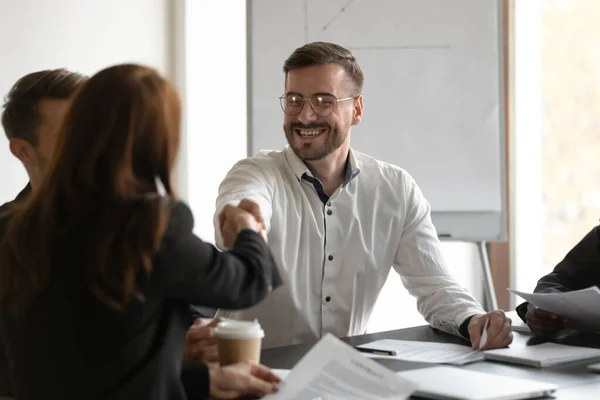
(358, 110)
(23, 150)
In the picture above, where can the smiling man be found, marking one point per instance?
(338, 220)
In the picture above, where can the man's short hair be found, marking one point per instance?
(21, 117)
(322, 53)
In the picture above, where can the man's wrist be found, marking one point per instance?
(464, 327)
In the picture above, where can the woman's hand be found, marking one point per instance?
(242, 379)
(233, 220)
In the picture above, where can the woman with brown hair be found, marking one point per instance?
(97, 268)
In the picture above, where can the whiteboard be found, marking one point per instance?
(433, 94)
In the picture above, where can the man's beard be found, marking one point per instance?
(308, 151)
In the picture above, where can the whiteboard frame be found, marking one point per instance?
(476, 226)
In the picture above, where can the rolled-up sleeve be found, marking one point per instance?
(248, 179)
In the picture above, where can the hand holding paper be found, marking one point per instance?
(542, 322)
(579, 306)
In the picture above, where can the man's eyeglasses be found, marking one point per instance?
(322, 104)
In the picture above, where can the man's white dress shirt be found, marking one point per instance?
(334, 256)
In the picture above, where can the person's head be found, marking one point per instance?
(322, 99)
(33, 113)
(119, 138)
(120, 134)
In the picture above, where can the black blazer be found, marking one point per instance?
(5, 382)
(579, 269)
(70, 346)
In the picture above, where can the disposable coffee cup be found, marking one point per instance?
(239, 341)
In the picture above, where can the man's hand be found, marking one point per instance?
(243, 379)
(252, 208)
(232, 220)
(200, 342)
(499, 333)
(542, 322)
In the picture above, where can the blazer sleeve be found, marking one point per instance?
(5, 377)
(196, 272)
(6, 387)
(579, 269)
(196, 381)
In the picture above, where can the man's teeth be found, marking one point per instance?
(309, 132)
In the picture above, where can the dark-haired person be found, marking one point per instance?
(33, 111)
(338, 220)
(99, 265)
(580, 269)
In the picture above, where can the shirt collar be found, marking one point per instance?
(299, 168)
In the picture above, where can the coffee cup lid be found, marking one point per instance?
(231, 329)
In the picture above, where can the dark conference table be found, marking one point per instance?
(574, 381)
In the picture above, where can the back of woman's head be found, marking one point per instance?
(119, 139)
(122, 133)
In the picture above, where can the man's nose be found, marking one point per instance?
(307, 115)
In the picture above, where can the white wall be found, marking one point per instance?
(396, 308)
(83, 36)
(212, 76)
(527, 215)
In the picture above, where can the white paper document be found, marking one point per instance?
(333, 370)
(281, 373)
(426, 352)
(581, 307)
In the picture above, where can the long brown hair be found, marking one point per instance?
(118, 140)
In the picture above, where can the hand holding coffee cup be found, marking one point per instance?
(239, 341)
(200, 342)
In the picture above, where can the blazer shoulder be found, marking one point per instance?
(180, 223)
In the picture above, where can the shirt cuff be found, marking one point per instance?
(464, 328)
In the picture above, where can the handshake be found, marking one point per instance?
(233, 220)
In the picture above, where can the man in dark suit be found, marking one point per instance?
(33, 113)
(579, 269)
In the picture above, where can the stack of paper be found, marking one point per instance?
(580, 307)
(333, 370)
(426, 352)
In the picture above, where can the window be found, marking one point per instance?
(557, 131)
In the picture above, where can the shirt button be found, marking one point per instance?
(328, 299)
(330, 258)
(329, 212)
(329, 204)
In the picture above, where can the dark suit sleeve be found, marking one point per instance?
(198, 273)
(5, 381)
(579, 269)
(196, 381)
(5, 372)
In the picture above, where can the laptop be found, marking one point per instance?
(451, 383)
